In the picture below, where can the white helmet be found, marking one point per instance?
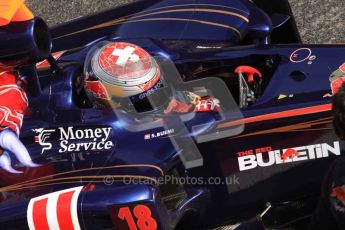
(120, 69)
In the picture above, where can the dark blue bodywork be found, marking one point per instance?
(218, 36)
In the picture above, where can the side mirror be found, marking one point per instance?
(24, 43)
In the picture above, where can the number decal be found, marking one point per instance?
(144, 220)
(125, 214)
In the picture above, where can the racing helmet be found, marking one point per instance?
(115, 70)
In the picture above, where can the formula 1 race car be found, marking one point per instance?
(167, 114)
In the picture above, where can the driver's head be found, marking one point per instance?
(115, 70)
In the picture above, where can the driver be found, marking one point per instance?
(116, 70)
(13, 103)
(13, 100)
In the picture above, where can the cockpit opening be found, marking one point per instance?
(246, 78)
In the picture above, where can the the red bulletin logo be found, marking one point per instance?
(289, 154)
(265, 157)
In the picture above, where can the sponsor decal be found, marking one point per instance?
(184, 101)
(264, 157)
(283, 96)
(56, 210)
(71, 139)
(163, 133)
(147, 136)
(42, 138)
(207, 104)
(149, 91)
(302, 55)
(289, 154)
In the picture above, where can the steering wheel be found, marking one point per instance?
(248, 94)
(250, 71)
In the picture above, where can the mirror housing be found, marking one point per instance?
(24, 44)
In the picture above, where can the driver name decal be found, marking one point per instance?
(72, 140)
(267, 156)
